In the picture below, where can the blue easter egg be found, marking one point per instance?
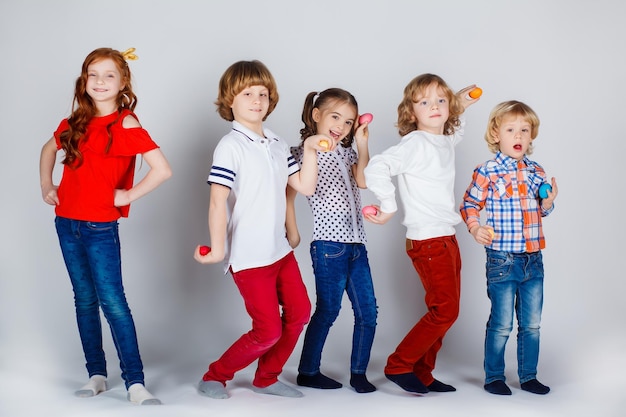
(543, 190)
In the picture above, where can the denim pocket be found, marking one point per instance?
(498, 266)
(535, 266)
(100, 226)
(323, 251)
(333, 250)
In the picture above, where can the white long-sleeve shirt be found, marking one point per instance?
(425, 167)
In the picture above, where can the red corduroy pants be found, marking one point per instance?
(438, 264)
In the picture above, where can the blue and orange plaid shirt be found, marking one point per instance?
(508, 190)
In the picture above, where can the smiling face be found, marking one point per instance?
(250, 107)
(104, 82)
(431, 109)
(336, 120)
(514, 136)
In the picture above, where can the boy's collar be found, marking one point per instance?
(507, 160)
(251, 135)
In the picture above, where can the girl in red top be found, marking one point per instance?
(100, 141)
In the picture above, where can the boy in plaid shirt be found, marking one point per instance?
(507, 187)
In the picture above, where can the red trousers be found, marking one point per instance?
(273, 336)
(438, 264)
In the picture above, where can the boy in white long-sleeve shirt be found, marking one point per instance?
(430, 124)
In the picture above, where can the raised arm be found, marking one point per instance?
(361, 138)
(305, 180)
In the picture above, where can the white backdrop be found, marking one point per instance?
(564, 58)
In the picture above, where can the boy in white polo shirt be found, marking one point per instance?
(251, 169)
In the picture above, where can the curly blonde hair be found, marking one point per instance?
(239, 76)
(505, 109)
(418, 85)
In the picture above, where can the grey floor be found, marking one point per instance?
(599, 391)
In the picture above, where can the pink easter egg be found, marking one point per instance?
(369, 210)
(366, 118)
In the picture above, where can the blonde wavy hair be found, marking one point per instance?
(418, 85)
(506, 109)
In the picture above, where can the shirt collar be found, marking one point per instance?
(253, 136)
(506, 160)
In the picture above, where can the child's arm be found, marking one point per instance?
(547, 203)
(159, 171)
(218, 222)
(378, 173)
(473, 202)
(361, 137)
(46, 166)
(305, 180)
(293, 235)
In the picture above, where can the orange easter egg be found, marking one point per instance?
(476, 92)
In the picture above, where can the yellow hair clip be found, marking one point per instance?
(129, 55)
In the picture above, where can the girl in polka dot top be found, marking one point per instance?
(338, 252)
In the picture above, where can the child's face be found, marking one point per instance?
(250, 105)
(335, 121)
(431, 110)
(514, 136)
(104, 81)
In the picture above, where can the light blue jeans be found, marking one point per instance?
(340, 267)
(514, 284)
(91, 251)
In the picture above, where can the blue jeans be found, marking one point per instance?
(340, 267)
(514, 283)
(91, 251)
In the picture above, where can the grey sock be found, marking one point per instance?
(280, 389)
(212, 389)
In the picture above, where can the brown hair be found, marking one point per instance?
(325, 99)
(84, 109)
(406, 117)
(241, 75)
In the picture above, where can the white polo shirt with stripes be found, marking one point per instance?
(256, 170)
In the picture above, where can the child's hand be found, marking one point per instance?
(320, 143)
(293, 237)
(483, 234)
(362, 133)
(464, 98)
(214, 256)
(378, 218)
(120, 198)
(49, 195)
(547, 202)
